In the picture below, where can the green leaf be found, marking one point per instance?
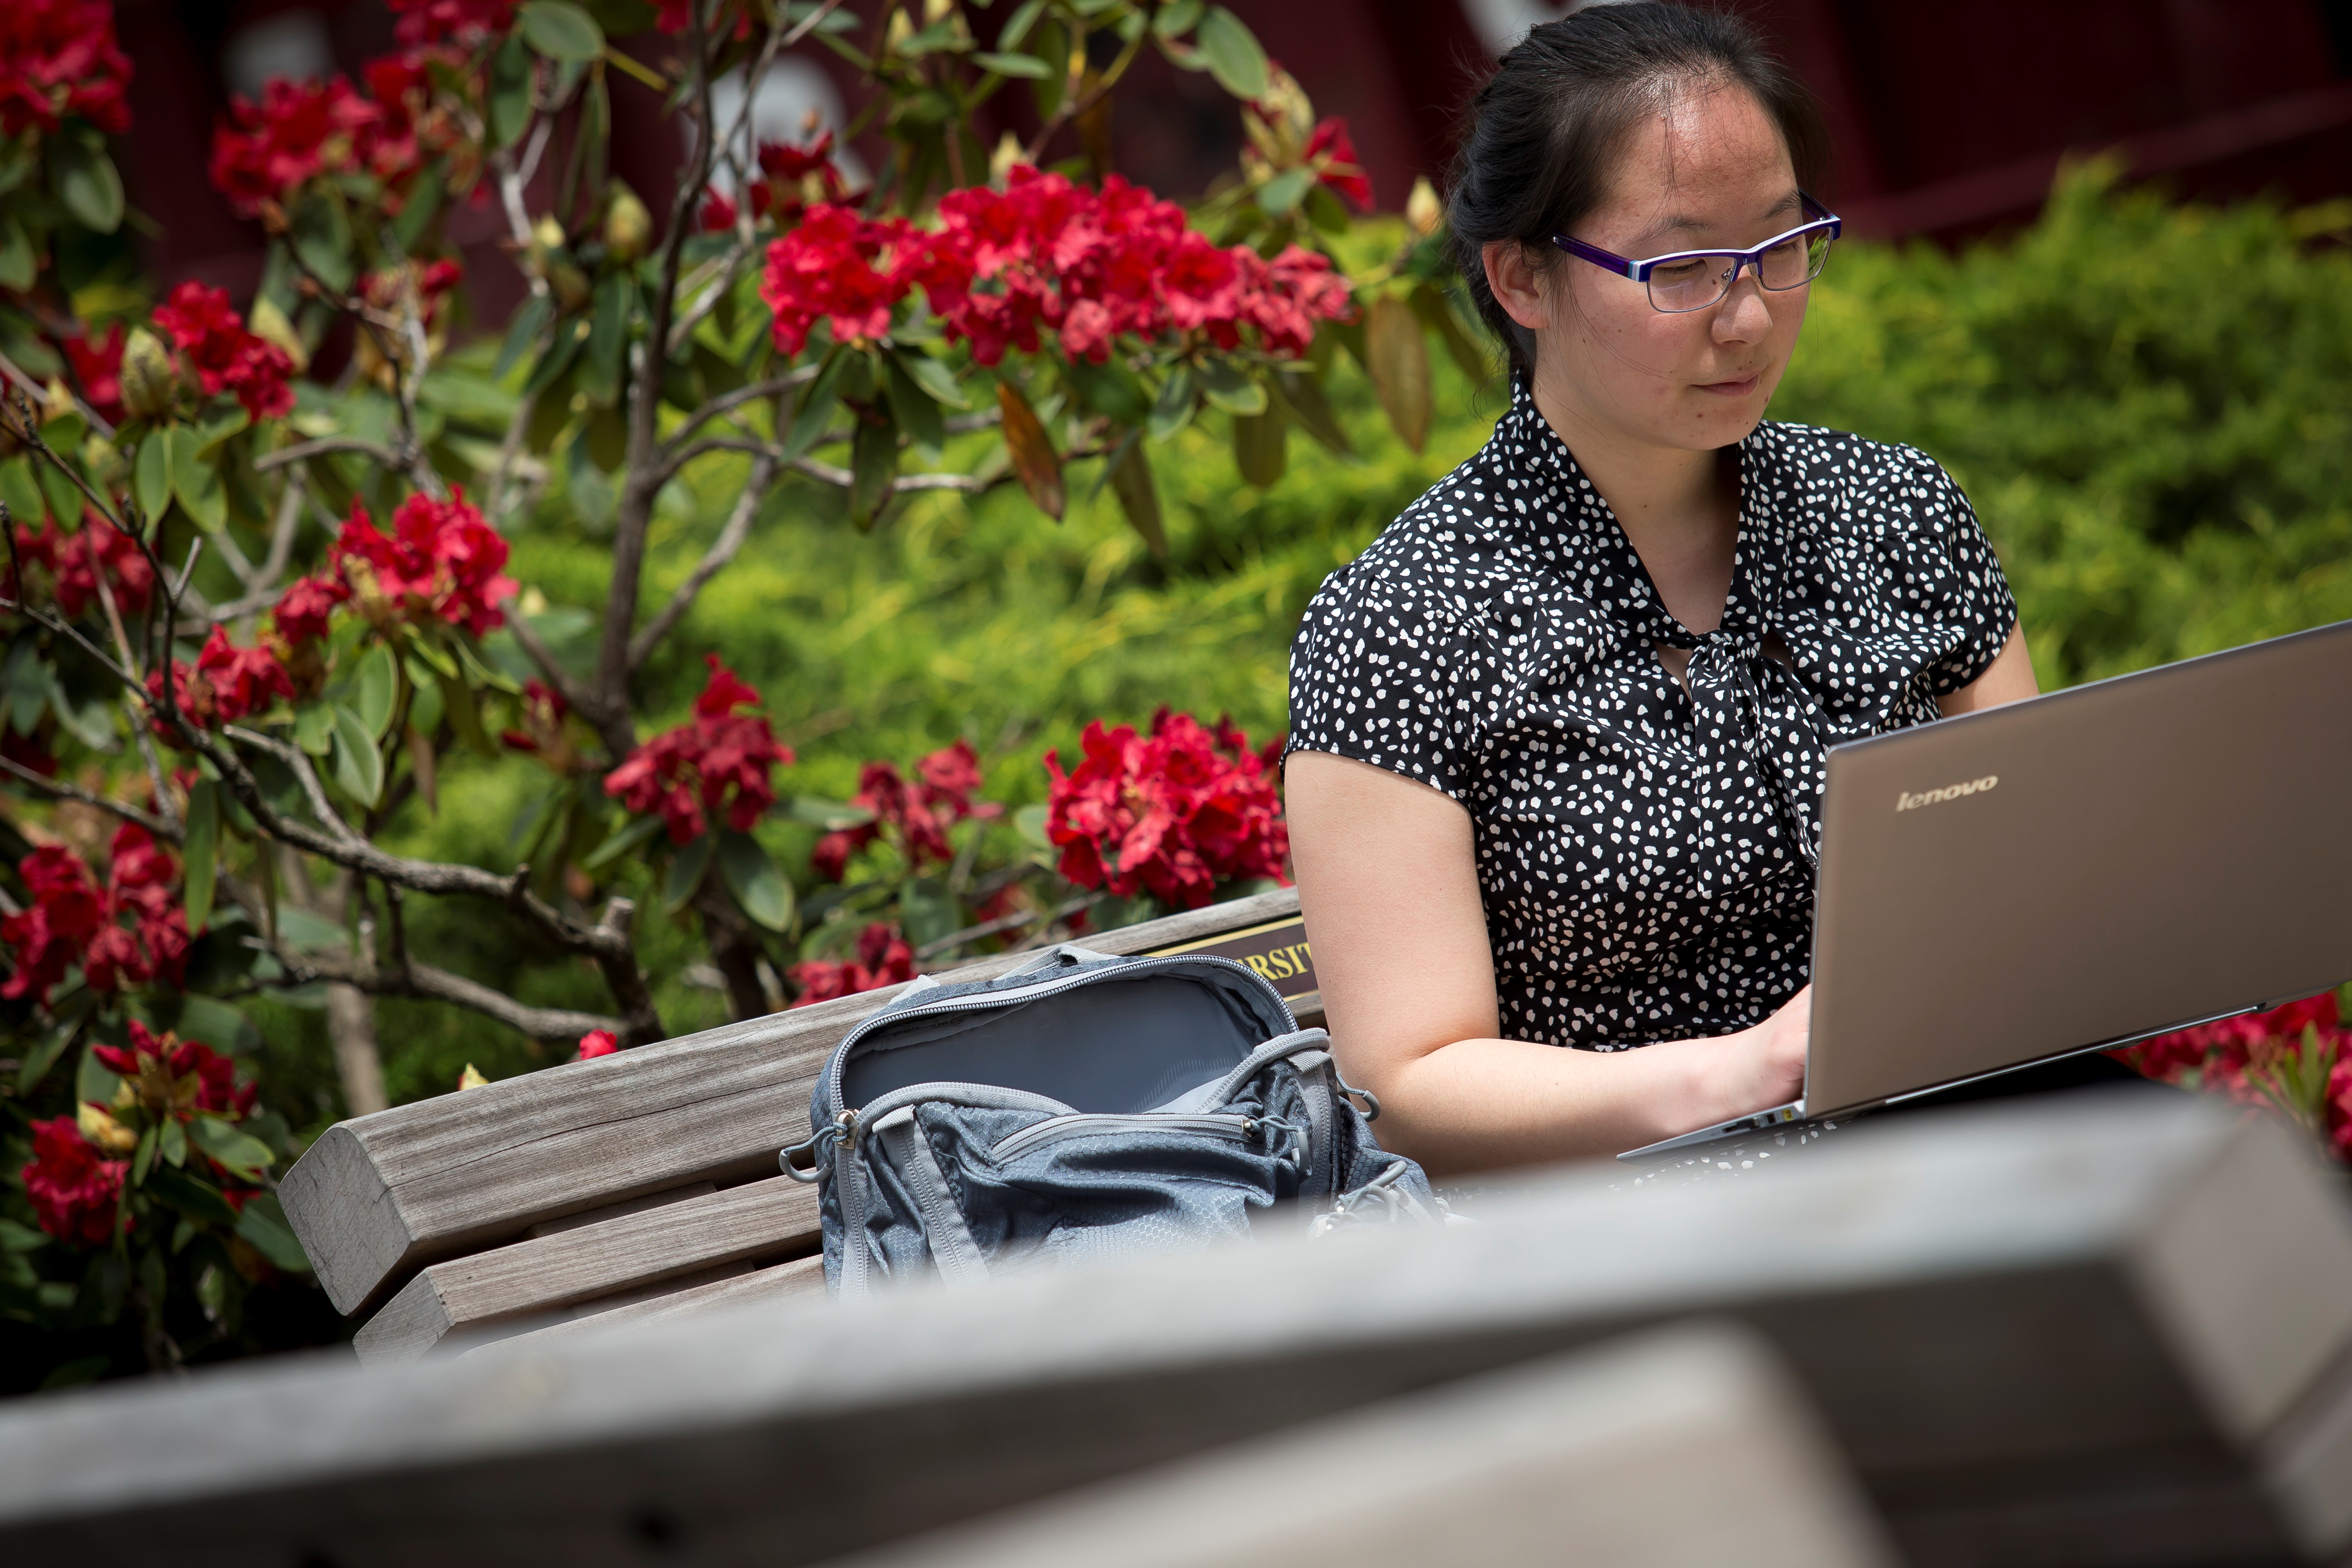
(832, 815)
(1029, 822)
(639, 833)
(16, 1237)
(814, 410)
(758, 887)
(151, 475)
(873, 464)
(1231, 388)
(1016, 28)
(529, 322)
(19, 263)
(687, 870)
(608, 336)
(42, 1058)
(221, 1026)
(378, 690)
(1028, 67)
(300, 928)
(246, 1155)
(926, 911)
(21, 492)
(1284, 191)
(562, 31)
(322, 235)
(1231, 53)
(561, 353)
(200, 1201)
(1397, 355)
(1436, 313)
(1050, 42)
(933, 377)
(1261, 445)
(194, 481)
(143, 1157)
(464, 716)
(1130, 478)
(314, 727)
(1173, 408)
(915, 412)
(509, 91)
(94, 1081)
(359, 768)
(202, 847)
(64, 499)
(85, 180)
(1302, 396)
(263, 1223)
(175, 1147)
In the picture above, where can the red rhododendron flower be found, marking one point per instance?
(97, 366)
(226, 684)
(74, 561)
(297, 130)
(915, 815)
(596, 1043)
(197, 1076)
(225, 357)
(70, 921)
(462, 21)
(847, 270)
(1172, 813)
(47, 937)
(59, 57)
(303, 608)
(1333, 151)
(74, 1191)
(883, 959)
(2232, 1056)
(718, 761)
(791, 178)
(440, 560)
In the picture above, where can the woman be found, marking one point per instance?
(1557, 735)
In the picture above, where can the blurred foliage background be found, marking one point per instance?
(2149, 403)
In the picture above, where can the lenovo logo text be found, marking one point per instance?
(1949, 792)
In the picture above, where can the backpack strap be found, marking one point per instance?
(958, 1256)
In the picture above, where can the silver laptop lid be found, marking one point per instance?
(2091, 866)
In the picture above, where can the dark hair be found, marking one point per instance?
(1541, 140)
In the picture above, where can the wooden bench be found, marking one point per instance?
(636, 1185)
(2058, 1335)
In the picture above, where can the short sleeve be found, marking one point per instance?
(1976, 604)
(1380, 673)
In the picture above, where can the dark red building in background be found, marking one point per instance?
(1948, 119)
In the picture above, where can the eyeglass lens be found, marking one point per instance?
(1692, 283)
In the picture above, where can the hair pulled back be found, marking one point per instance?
(1542, 137)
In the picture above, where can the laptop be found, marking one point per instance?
(2075, 872)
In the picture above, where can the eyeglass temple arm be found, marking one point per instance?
(1607, 259)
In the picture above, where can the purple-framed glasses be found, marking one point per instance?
(1693, 279)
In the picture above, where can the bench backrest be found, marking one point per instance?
(641, 1181)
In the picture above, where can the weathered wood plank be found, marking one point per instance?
(803, 1278)
(1974, 1303)
(773, 1219)
(1687, 1445)
(380, 1196)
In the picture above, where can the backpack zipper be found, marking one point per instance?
(1092, 1124)
(1083, 975)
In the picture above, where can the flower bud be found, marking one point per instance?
(148, 376)
(269, 324)
(628, 226)
(1423, 210)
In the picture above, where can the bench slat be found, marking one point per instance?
(771, 1218)
(777, 1282)
(378, 1197)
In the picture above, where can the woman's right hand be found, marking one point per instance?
(1771, 1059)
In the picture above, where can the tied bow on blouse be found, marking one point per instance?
(1756, 703)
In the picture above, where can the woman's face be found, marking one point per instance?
(1709, 168)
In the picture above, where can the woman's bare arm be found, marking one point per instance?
(1389, 885)
(2008, 679)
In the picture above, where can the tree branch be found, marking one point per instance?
(731, 540)
(555, 1025)
(732, 401)
(374, 451)
(58, 789)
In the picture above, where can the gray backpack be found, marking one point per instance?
(1078, 1109)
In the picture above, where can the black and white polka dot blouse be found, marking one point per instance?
(1645, 853)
